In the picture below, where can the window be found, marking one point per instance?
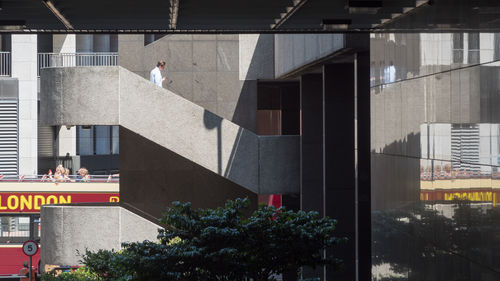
(98, 140)
(102, 140)
(115, 140)
(18, 228)
(85, 139)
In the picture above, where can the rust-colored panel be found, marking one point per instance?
(268, 122)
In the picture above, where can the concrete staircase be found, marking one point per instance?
(116, 96)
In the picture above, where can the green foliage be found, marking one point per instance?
(222, 244)
(81, 274)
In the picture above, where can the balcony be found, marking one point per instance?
(46, 60)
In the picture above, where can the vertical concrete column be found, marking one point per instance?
(66, 141)
(24, 68)
(339, 160)
(66, 44)
(363, 149)
(311, 145)
(311, 151)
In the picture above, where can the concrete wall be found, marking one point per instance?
(68, 229)
(114, 95)
(152, 177)
(217, 72)
(279, 163)
(293, 51)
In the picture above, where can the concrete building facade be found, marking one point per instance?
(395, 135)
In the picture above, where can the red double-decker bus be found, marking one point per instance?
(20, 202)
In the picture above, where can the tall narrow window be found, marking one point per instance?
(85, 140)
(496, 50)
(458, 48)
(102, 140)
(473, 54)
(115, 139)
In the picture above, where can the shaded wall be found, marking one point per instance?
(421, 85)
(151, 177)
(293, 51)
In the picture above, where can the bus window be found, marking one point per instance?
(16, 228)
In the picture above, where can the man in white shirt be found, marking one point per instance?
(155, 75)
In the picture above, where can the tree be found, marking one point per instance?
(222, 244)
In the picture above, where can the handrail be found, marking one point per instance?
(46, 60)
(115, 178)
(5, 64)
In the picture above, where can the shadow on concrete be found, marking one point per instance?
(153, 176)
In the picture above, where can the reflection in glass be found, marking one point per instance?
(435, 162)
(472, 174)
(454, 241)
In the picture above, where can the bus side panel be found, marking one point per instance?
(12, 258)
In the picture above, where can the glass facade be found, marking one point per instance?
(435, 128)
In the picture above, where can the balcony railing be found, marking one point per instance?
(76, 59)
(5, 64)
(115, 178)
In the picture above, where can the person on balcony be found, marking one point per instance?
(83, 175)
(155, 75)
(58, 175)
(66, 175)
